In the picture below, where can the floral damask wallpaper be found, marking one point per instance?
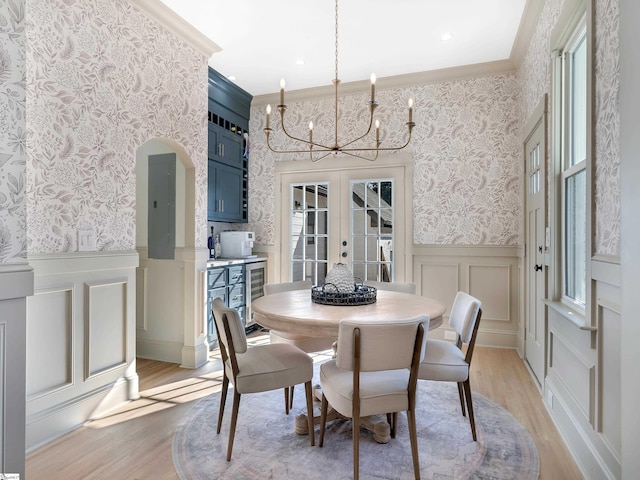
(12, 132)
(466, 148)
(535, 77)
(607, 128)
(102, 79)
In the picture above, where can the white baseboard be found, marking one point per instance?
(157, 350)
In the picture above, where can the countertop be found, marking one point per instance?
(223, 262)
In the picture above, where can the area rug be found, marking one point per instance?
(266, 446)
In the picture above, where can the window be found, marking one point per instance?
(573, 167)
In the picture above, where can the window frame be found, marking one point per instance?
(569, 168)
(576, 17)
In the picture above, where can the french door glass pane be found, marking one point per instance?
(372, 229)
(575, 237)
(309, 232)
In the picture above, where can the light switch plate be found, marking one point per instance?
(86, 241)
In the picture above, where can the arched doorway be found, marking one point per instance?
(167, 312)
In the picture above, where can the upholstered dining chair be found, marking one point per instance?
(375, 372)
(258, 368)
(303, 342)
(447, 362)
(404, 287)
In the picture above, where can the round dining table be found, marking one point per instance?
(295, 312)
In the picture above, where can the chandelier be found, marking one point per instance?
(318, 151)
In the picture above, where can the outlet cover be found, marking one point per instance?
(449, 335)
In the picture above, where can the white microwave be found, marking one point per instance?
(236, 244)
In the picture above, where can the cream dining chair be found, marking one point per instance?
(303, 342)
(447, 362)
(403, 287)
(258, 368)
(375, 372)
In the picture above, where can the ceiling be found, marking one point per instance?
(261, 41)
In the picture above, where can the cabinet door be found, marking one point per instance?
(211, 189)
(230, 148)
(228, 193)
(225, 146)
(214, 143)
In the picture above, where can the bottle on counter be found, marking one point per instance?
(211, 245)
(218, 247)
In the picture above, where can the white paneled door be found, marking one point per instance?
(535, 323)
(355, 216)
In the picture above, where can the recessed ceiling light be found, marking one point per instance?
(446, 37)
(232, 78)
(299, 62)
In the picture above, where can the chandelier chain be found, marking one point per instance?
(336, 77)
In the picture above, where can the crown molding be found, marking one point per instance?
(158, 11)
(526, 29)
(397, 81)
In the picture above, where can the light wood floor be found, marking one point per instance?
(135, 442)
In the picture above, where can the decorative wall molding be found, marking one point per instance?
(105, 326)
(468, 250)
(94, 368)
(408, 80)
(56, 338)
(490, 273)
(158, 11)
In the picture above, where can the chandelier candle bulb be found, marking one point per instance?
(410, 110)
(311, 133)
(282, 84)
(378, 132)
(268, 114)
(373, 87)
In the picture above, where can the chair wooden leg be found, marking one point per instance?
(467, 394)
(323, 419)
(309, 394)
(356, 446)
(461, 398)
(394, 416)
(286, 400)
(291, 388)
(413, 437)
(223, 399)
(234, 418)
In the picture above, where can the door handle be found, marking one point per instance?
(537, 268)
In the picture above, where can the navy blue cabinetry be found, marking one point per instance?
(228, 154)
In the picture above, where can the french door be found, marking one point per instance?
(354, 216)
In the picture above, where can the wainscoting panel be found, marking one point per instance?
(50, 330)
(575, 372)
(141, 298)
(3, 383)
(492, 284)
(16, 284)
(439, 281)
(81, 340)
(488, 273)
(583, 384)
(106, 324)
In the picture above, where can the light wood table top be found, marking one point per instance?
(295, 312)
